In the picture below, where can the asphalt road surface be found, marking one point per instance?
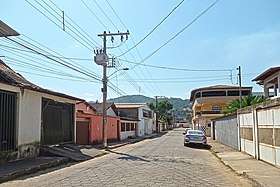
(161, 161)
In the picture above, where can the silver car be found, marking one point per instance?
(194, 137)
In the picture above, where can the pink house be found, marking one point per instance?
(89, 123)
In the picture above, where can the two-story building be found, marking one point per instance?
(208, 102)
(135, 117)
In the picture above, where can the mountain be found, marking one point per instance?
(181, 107)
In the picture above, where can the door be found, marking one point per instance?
(82, 132)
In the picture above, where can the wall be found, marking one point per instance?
(145, 125)
(96, 129)
(260, 131)
(226, 131)
(28, 122)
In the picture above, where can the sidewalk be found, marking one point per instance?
(12, 170)
(261, 173)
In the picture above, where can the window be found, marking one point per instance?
(236, 92)
(127, 126)
(216, 108)
(132, 126)
(145, 113)
(122, 127)
(213, 93)
(197, 95)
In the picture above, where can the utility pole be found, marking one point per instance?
(157, 127)
(101, 58)
(240, 89)
(240, 104)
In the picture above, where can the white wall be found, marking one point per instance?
(29, 129)
(126, 134)
(145, 125)
(29, 113)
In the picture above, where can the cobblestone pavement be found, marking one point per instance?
(162, 161)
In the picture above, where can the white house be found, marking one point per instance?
(270, 80)
(31, 116)
(138, 113)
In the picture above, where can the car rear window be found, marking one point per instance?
(195, 132)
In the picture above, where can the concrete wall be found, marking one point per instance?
(260, 131)
(226, 131)
(96, 129)
(145, 125)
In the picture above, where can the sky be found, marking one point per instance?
(186, 50)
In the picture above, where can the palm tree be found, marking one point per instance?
(249, 100)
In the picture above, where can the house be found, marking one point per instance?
(90, 121)
(32, 117)
(208, 102)
(135, 117)
(270, 80)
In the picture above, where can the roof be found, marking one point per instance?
(5, 30)
(8, 76)
(215, 87)
(99, 106)
(260, 78)
(130, 105)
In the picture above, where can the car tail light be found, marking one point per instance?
(204, 137)
(187, 136)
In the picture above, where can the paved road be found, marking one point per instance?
(162, 161)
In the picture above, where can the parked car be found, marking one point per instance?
(195, 137)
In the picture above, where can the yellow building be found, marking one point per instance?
(208, 102)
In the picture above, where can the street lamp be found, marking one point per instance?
(123, 69)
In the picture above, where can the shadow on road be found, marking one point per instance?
(128, 156)
(198, 146)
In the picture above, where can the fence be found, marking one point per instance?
(260, 131)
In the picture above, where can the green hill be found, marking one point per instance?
(181, 107)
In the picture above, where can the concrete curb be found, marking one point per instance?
(31, 170)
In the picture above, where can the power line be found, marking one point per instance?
(78, 35)
(89, 48)
(182, 30)
(106, 15)
(153, 28)
(172, 68)
(95, 15)
(137, 52)
(75, 23)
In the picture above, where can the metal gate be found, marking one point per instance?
(58, 122)
(8, 102)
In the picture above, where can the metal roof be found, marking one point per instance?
(5, 30)
(260, 78)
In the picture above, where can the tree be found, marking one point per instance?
(249, 100)
(162, 109)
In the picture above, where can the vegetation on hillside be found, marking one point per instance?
(181, 107)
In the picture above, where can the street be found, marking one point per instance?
(161, 161)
